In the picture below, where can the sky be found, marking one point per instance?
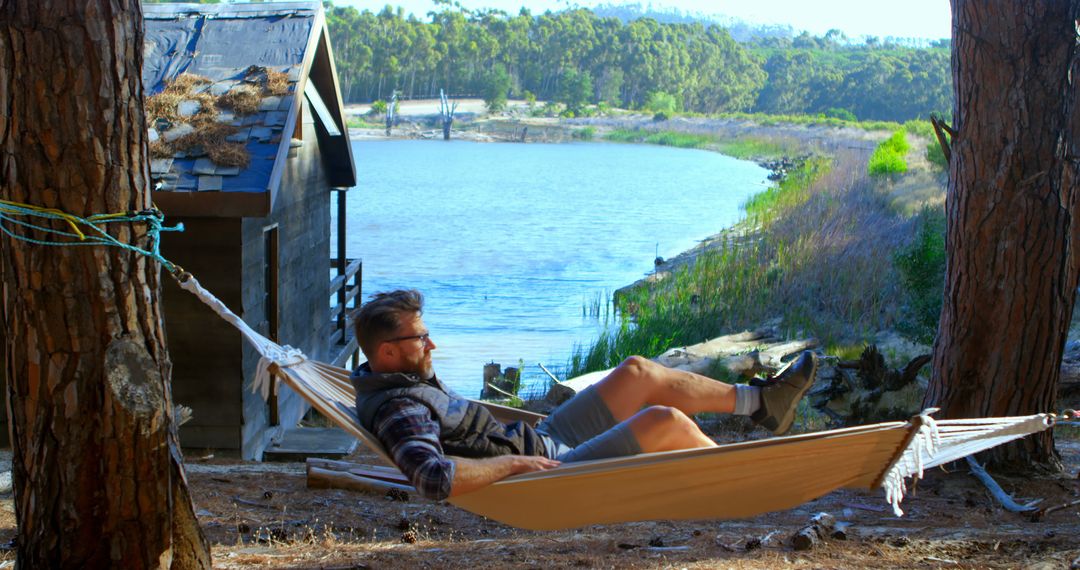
(908, 19)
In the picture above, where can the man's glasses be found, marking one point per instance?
(423, 338)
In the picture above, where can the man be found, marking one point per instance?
(447, 445)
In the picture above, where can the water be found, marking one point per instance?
(508, 241)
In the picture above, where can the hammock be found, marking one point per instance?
(730, 481)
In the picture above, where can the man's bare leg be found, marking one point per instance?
(663, 428)
(640, 382)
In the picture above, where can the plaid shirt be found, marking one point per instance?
(409, 433)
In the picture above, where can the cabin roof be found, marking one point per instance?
(215, 50)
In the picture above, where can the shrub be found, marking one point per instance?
(584, 133)
(842, 114)
(888, 157)
(378, 108)
(886, 162)
(921, 265)
(920, 128)
(897, 142)
(936, 156)
(660, 102)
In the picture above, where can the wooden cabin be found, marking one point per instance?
(249, 151)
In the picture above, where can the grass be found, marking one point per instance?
(663, 138)
(813, 120)
(809, 251)
(745, 147)
(358, 122)
(762, 208)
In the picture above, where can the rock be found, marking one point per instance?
(188, 108)
(178, 131)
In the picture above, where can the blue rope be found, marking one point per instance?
(92, 232)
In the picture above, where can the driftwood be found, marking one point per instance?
(820, 529)
(391, 110)
(331, 474)
(1041, 513)
(446, 110)
(866, 391)
(996, 491)
(499, 383)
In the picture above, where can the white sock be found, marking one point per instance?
(747, 399)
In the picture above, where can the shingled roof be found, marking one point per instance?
(218, 51)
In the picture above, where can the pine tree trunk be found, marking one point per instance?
(1012, 217)
(97, 471)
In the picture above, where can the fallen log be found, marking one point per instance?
(319, 478)
(821, 527)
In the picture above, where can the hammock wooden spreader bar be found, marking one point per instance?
(730, 481)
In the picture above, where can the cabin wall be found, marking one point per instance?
(203, 348)
(302, 215)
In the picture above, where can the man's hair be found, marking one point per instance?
(381, 317)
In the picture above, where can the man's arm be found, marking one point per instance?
(473, 474)
(411, 437)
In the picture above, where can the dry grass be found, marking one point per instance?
(211, 137)
(163, 106)
(161, 149)
(187, 82)
(242, 99)
(184, 88)
(209, 134)
(229, 154)
(277, 82)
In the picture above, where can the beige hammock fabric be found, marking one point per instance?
(729, 481)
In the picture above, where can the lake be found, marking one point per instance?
(509, 241)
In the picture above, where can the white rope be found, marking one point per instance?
(269, 351)
(939, 442)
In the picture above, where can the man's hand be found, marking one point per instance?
(473, 474)
(529, 463)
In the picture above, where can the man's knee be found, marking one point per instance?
(664, 427)
(666, 417)
(637, 366)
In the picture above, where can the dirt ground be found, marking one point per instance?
(268, 518)
(262, 515)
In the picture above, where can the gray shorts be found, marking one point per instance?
(582, 428)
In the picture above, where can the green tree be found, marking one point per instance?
(495, 88)
(575, 90)
(660, 102)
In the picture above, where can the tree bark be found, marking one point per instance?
(97, 471)
(1012, 217)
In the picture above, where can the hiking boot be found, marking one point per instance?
(780, 394)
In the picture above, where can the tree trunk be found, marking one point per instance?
(97, 471)
(1012, 217)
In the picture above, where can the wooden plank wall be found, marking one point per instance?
(203, 348)
(302, 213)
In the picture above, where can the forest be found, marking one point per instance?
(583, 59)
